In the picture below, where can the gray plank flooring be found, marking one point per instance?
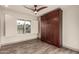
(34, 46)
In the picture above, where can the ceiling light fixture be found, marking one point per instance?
(35, 12)
(36, 9)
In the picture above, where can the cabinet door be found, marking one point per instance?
(43, 28)
(50, 27)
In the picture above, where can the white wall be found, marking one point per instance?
(1, 23)
(70, 37)
(9, 29)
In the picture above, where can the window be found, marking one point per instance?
(27, 27)
(23, 26)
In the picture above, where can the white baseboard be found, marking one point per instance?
(74, 49)
(3, 44)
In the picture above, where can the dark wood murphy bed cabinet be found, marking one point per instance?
(51, 27)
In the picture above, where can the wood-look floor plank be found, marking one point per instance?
(34, 47)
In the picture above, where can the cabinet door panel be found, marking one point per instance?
(50, 27)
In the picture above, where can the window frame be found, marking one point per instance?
(24, 26)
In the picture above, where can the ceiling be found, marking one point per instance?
(21, 8)
(32, 6)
